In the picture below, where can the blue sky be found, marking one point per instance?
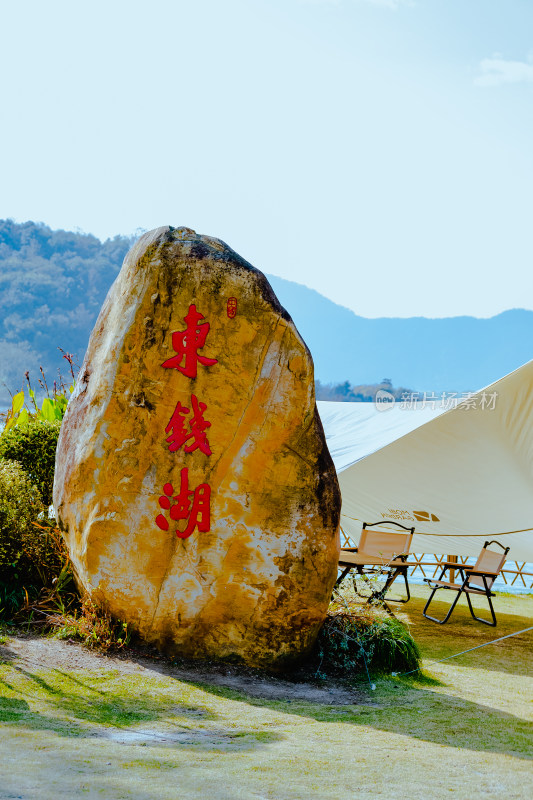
(379, 151)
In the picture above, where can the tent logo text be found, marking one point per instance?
(399, 513)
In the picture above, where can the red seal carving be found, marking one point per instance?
(232, 307)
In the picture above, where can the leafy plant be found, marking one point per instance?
(53, 405)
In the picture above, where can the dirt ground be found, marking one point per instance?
(77, 724)
(49, 654)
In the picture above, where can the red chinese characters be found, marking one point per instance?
(179, 434)
(191, 505)
(187, 343)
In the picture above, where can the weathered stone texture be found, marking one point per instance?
(255, 586)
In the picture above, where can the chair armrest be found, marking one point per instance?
(449, 565)
(483, 572)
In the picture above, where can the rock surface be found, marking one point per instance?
(193, 483)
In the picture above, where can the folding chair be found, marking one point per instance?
(379, 552)
(476, 580)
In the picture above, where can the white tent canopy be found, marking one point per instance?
(460, 476)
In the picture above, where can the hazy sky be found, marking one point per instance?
(379, 151)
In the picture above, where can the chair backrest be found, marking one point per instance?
(491, 561)
(385, 544)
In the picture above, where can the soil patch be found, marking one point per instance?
(48, 653)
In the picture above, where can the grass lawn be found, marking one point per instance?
(127, 730)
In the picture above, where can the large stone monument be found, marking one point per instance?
(193, 483)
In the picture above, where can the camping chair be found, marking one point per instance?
(379, 552)
(476, 580)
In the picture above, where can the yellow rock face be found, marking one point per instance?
(193, 483)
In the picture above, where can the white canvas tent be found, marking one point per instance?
(460, 476)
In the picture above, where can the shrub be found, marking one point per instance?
(33, 445)
(20, 505)
(360, 639)
(36, 576)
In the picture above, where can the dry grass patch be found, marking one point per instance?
(146, 731)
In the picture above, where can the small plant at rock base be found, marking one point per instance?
(94, 626)
(50, 587)
(355, 639)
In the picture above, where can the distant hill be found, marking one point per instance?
(52, 284)
(451, 354)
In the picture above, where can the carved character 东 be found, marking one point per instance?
(187, 343)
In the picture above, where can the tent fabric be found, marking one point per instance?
(460, 476)
(355, 430)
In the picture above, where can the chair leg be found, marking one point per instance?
(390, 580)
(447, 617)
(342, 576)
(479, 619)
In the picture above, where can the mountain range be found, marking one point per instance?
(447, 354)
(52, 284)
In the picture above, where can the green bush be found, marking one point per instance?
(36, 577)
(20, 506)
(33, 445)
(350, 643)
